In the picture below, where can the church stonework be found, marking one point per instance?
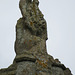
(30, 45)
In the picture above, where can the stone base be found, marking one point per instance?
(42, 65)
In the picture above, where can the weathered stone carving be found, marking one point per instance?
(33, 18)
(30, 45)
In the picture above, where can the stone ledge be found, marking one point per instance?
(25, 57)
(59, 65)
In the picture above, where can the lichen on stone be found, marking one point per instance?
(30, 45)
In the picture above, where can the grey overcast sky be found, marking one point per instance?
(60, 17)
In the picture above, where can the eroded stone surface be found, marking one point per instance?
(30, 45)
(26, 68)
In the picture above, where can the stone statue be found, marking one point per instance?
(31, 28)
(30, 45)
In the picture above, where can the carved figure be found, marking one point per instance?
(33, 18)
(30, 45)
